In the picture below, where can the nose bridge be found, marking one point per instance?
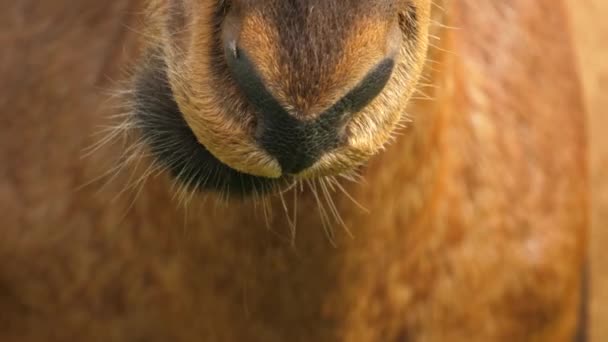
(312, 49)
(309, 52)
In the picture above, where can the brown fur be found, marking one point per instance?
(476, 220)
(319, 72)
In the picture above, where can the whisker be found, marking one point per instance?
(325, 221)
(332, 206)
(348, 195)
(295, 213)
(292, 225)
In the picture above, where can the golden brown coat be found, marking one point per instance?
(476, 218)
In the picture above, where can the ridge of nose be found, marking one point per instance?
(296, 143)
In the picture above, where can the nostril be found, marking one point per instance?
(368, 89)
(248, 80)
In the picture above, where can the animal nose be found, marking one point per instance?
(298, 143)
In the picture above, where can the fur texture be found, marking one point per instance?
(289, 38)
(475, 220)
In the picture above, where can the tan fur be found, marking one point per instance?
(591, 30)
(475, 220)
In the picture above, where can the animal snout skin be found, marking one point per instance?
(298, 142)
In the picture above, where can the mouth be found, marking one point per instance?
(175, 147)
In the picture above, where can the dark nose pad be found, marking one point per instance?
(297, 144)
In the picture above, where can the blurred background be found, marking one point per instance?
(591, 36)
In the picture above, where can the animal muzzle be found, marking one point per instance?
(297, 143)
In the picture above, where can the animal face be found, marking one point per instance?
(247, 95)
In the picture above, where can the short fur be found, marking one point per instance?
(476, 213)
(322, 72)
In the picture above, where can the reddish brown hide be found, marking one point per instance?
(477, 213)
